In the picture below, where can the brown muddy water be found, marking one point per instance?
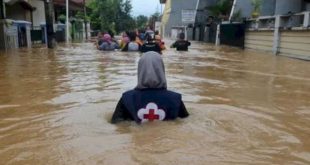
(246, 108)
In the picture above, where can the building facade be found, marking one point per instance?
(273, 7)
(23, 22)
(38, 15)
(283, 27)
(184, 15)
(16, 24)
(18, 10)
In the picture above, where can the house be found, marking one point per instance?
(16, 24)
(23, 22)
(77, 26)
(23, 7)
(283, 27)
(25, 17)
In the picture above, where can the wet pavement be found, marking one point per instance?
(246, 108)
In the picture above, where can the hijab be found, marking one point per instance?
(107, 38)
(151, 72)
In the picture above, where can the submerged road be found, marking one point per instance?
(246, 108)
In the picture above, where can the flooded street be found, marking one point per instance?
(245, 108)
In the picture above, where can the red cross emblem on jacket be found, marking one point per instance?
(151, 113)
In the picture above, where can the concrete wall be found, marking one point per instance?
(262, 41)
(295, 44)
(292, 43)
(267, 8)
(203, 13)
(285, 6)
(273, 7)
(39, 13)
(175, 17)
(245, 7)
(307, 6)
(204, 3)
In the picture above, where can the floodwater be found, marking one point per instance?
(246, 108)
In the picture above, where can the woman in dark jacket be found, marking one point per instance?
(150, 100)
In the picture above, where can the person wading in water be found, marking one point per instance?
(181, 44)
(150, 100)
(150, 45)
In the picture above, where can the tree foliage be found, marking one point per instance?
(222, 8)
(155, 17)
(141, 21)
(256, 5)
(111, 15)
(124, 20)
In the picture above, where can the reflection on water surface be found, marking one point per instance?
(246, 108)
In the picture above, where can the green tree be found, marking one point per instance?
(124, 19)
(111, 15)
(221, 9)
(153, 18)
(80, 15)
(103, 14)
(141, 21)
(256, 5)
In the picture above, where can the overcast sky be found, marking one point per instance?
(145, 7)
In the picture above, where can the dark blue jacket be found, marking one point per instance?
(181, 45)
(150, 46)
(149, 105)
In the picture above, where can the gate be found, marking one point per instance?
(37, 35)
(233, 34)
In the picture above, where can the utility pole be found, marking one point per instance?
(67, 21)
(85, 21)
(49, 16)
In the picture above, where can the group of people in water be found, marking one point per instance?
(150, 100)
(139, 40)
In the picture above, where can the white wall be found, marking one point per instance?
(285, 6)
(39, 13)
(292, 43)
(259, 40)
(307, 7)
(246, 7)
(295, 44)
